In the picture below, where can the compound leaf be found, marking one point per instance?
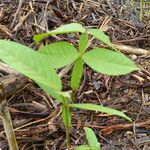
(109, 62)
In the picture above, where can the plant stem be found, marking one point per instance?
(66, 114)
(68, 138)
(7, 122)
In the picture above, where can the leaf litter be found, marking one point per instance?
(36, 115)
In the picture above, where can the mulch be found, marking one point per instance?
(36, 116)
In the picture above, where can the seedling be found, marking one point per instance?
(39, 66)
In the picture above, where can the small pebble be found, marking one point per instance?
(134, 57)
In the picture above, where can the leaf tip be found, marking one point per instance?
(36, 39)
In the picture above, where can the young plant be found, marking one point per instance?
(93, 143)
(102, 60)
(39, 66)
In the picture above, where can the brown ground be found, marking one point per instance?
(38, 116)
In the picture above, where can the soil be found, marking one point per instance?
(36, 116)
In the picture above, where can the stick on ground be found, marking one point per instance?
(6, 119)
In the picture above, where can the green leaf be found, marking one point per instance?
(55, 94)
(58, 95)
(68, 28)
(30, 63)
(109, 62)
(83, 42)
(99, 108)
(83, 147)
(92, 140)
(60, 54)
(100, 35)
(65, 94)
(77, 74)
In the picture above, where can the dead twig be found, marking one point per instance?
(65, 71)
(5, 69)
(6, 119)
(131, 50)
(110, 129)
(6, 30)
(22, 19)
(13, 83)
(106, 130)
(17, 12)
